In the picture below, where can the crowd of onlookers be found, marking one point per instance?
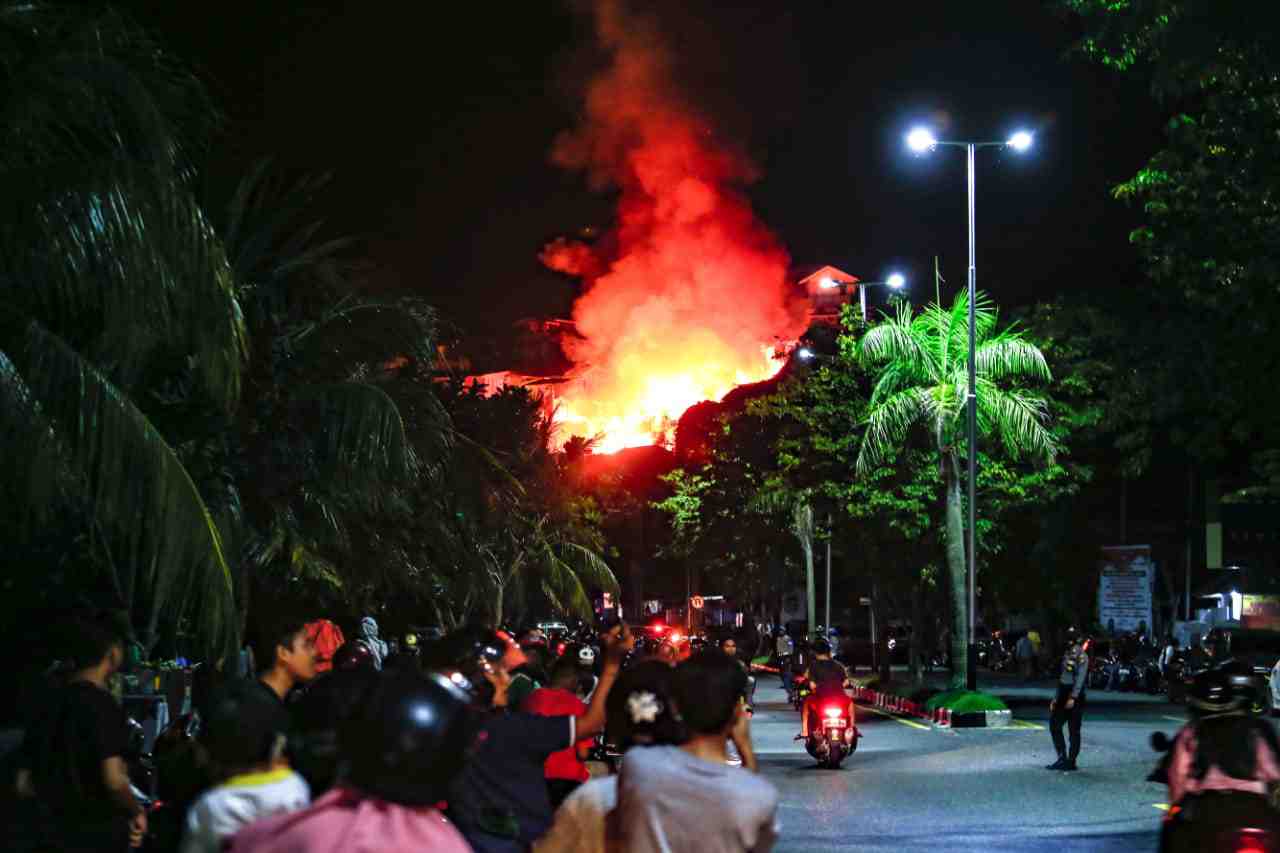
(474, 741)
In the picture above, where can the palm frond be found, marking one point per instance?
(888, 423)
(126, 269)
(167, 544)
(1007, 356)
(357, 431)
(1019, 419)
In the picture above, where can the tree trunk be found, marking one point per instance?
(959, 577)
(917, 649)
(882, 626)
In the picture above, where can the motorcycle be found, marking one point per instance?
(1190, 824)
(800, 691)
(835, 736)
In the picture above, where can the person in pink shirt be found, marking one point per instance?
(1222, 766)
(403, 750)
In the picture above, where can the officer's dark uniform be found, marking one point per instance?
(1071, 685)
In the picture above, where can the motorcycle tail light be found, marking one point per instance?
(832, 711)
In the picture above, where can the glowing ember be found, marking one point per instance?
(690, 289)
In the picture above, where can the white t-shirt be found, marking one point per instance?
(581, 823)
(223, 811)
(670, 801)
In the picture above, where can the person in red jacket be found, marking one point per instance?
(565, 770)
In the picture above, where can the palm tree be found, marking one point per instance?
(922, 381)
(109, 275)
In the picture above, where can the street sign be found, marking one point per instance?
(696, 602)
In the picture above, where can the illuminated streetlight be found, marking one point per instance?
(895, 281)
(921, 140)
(1020, 141)
(805, 353)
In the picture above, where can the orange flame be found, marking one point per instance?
(689, 297)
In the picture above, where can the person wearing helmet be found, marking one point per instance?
(1067, 706)
(1222, 763)
(828, 678)
(354, 654)
(500, 801)
(402, 749)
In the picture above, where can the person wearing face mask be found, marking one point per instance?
(500, 800)
(1067, 707)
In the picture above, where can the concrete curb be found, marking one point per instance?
(941, 718)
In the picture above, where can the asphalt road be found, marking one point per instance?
(912, 787)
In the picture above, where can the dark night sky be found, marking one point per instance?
(436, 120)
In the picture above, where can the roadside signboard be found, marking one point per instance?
(1261, 611)
(1124, 587)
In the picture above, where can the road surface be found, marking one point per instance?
(912, 787)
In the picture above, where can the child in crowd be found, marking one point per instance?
(401, 749)
(245, 744)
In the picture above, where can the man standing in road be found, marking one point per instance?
(1067, 706)
(782, 648)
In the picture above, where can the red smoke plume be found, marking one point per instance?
(694, 296)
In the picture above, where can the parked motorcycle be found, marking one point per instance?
(834, 736)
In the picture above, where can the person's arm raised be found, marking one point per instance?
(617, 643)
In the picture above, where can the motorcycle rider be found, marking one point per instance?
(1221, 764)
(1067, 706)
(828, 679)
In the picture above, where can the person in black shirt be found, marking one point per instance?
(72, 758)
(828, 680)
(286, 658)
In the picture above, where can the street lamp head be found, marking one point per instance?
(921, 140)
(1020, 141)
(827, 282)
(896, 280)
(805, 353)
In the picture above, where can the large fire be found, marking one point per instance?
(688, 298)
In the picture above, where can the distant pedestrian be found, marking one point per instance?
(1067, 707)
(369, 634)
(1026, 655)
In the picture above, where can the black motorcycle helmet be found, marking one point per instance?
(1222, 691)
(465, 656)
(410, 740)
(821, 647)
(353, 654)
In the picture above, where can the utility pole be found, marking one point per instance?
(827, 619)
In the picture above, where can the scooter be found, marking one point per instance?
(1190, 826)
(835, 736)
(800, 691)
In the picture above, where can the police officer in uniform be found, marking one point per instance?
(1067, 706)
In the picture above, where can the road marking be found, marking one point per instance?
(1023, 724)
(905, 722)
(1175, 719)
(1164, 807)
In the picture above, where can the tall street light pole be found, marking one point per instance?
(922, 140)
